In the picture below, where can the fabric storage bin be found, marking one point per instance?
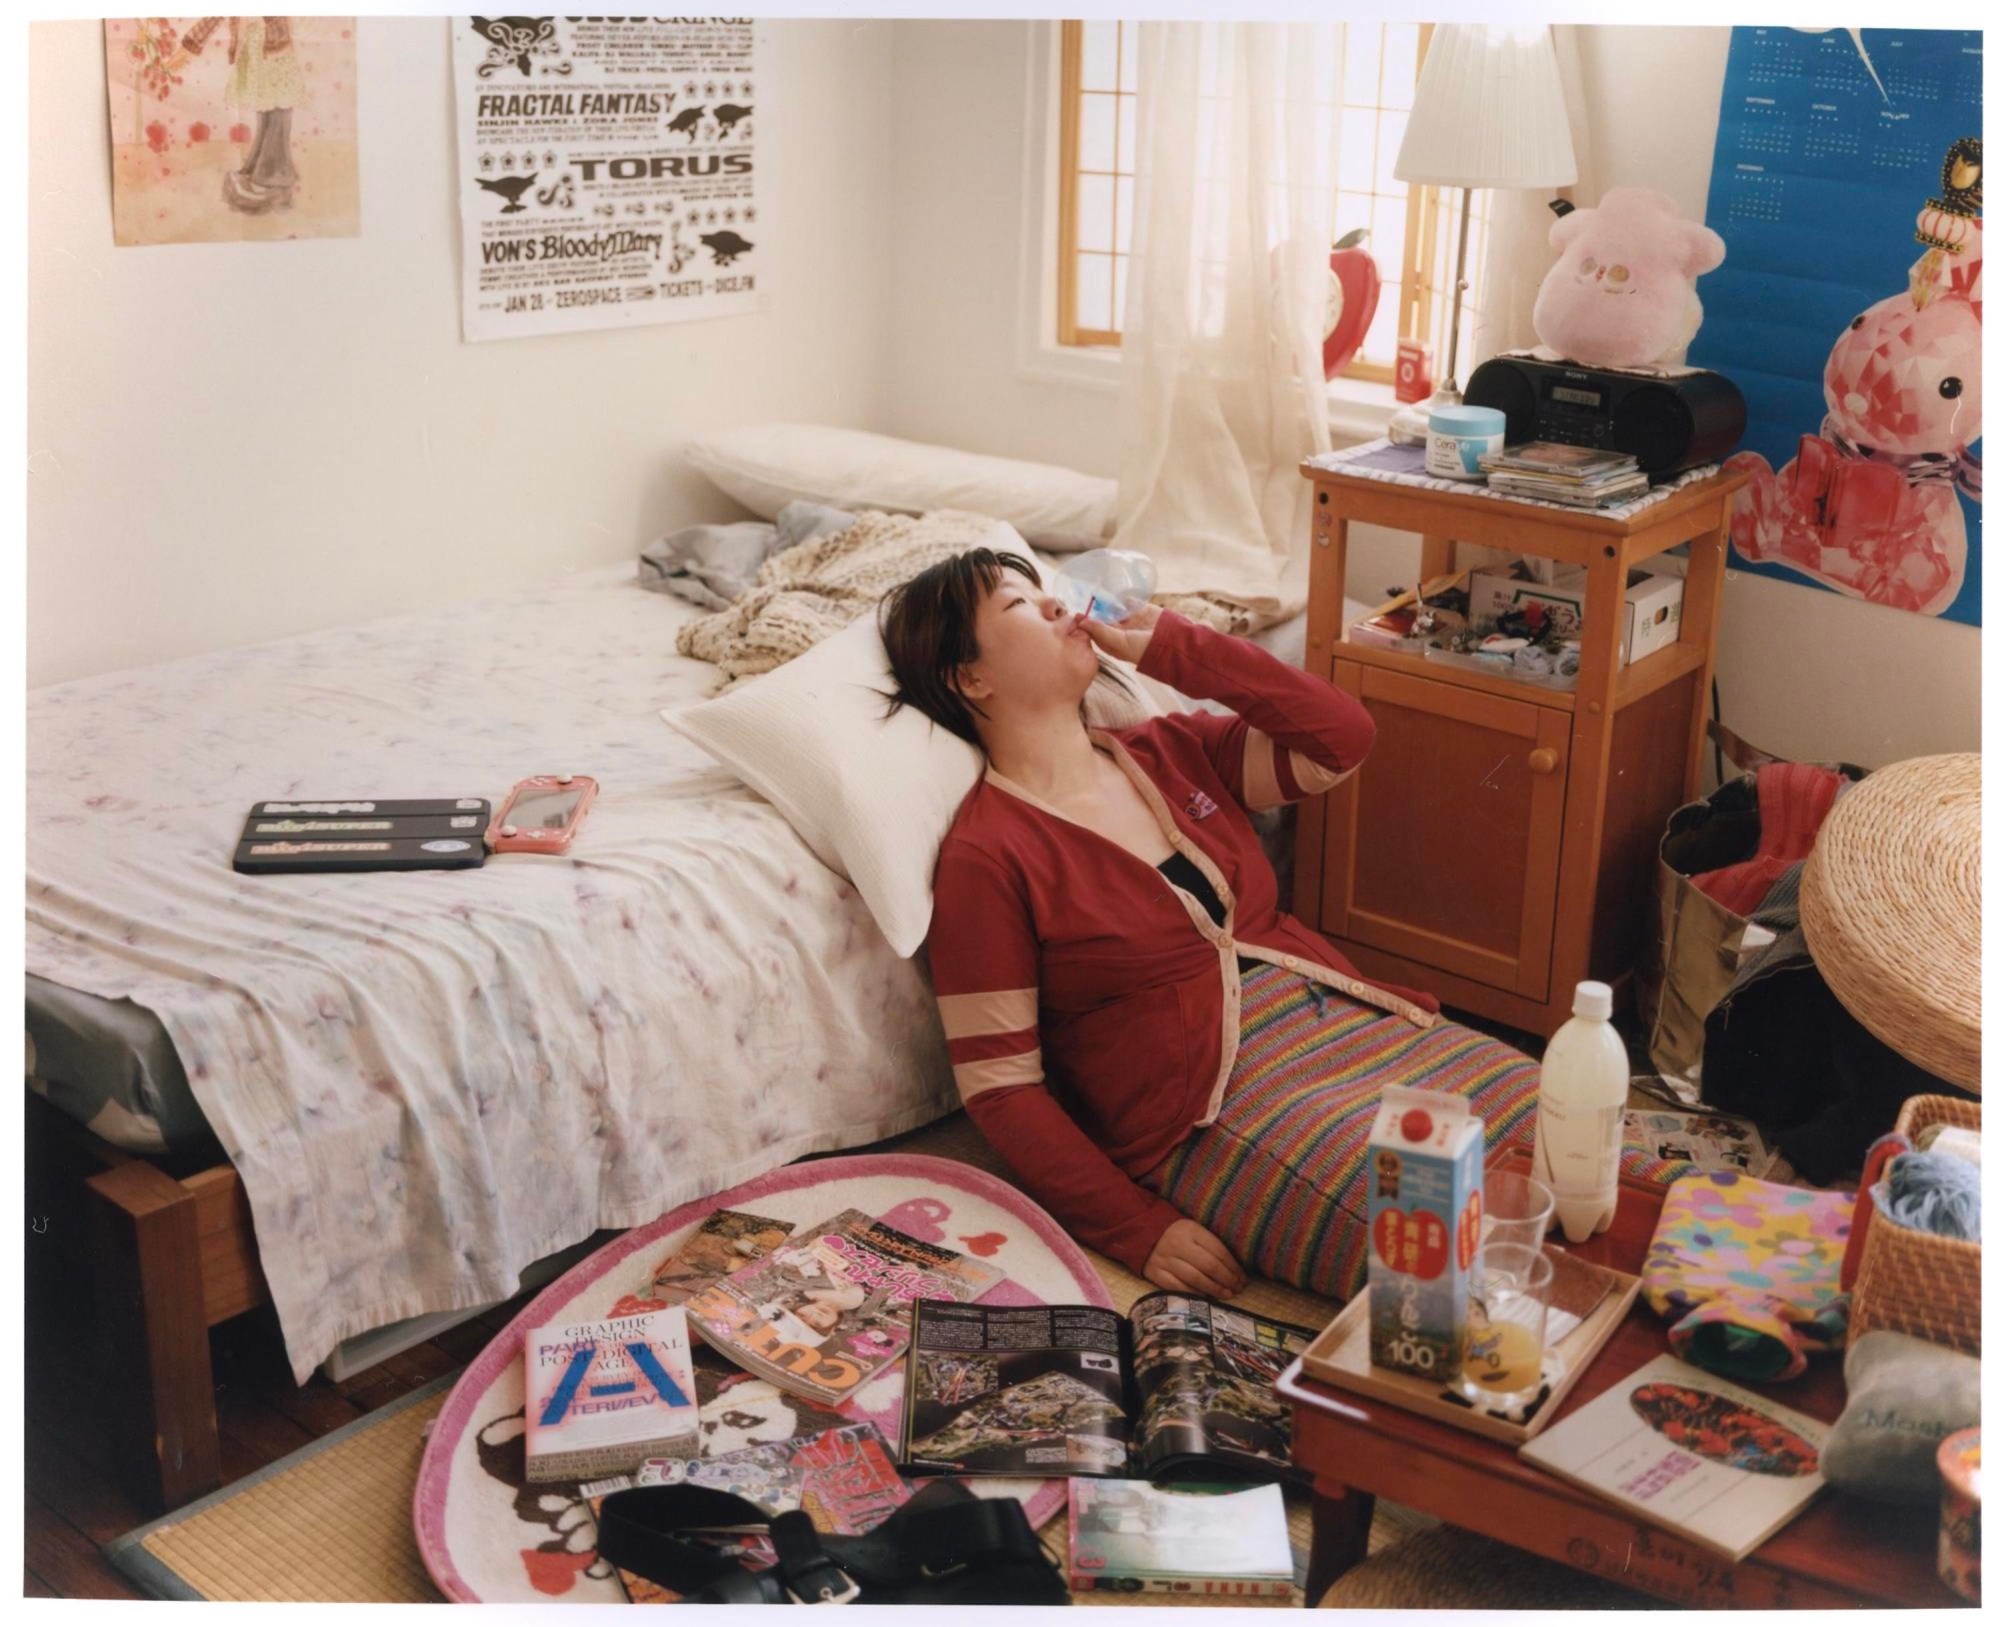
(1909, 1281)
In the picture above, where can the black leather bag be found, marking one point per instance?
(943, 1547)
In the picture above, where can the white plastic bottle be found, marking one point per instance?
(1579, 1125)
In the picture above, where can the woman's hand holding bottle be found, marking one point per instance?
(1127, 639)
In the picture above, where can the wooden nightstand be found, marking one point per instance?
(1498, 845)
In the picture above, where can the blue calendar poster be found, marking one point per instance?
(1847, 188)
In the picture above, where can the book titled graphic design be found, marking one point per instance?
(1128, 1537)
(604, 1396)
(827, 1310)
(1183, 1387)
(1707, 1460)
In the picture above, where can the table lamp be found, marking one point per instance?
(1489, 112)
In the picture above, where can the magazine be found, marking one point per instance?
(1181, 1387)
(604, 1396)
(828, 1309)
(1707, 1460)
(1710, 1141)
(726, 1241)
(1128, 1537)
(842, 1478)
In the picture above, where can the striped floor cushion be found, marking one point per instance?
(1279, 1175)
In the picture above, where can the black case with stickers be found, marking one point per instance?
(363, 833)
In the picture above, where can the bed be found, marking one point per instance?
(363, 1098)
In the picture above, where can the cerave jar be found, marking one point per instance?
(1459, 437)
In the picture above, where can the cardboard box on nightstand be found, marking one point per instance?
(1652, 605)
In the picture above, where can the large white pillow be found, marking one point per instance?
(766, 466)
(871, 795)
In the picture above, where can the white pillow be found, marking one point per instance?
(871, 795)
(765, 466)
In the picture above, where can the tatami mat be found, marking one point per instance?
(331, 1523)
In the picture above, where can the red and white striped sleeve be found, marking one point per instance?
(1293, 735)
(985, 969)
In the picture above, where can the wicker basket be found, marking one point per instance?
(1909, 1281)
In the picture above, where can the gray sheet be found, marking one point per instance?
(110, 1065)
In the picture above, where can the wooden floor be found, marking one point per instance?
(73, 1500)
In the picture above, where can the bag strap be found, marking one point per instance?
(1745, 757)
(638, 1530)
(943, 1531)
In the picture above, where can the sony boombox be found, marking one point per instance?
(1667, 423)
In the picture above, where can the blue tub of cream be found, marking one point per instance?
(1460, 437)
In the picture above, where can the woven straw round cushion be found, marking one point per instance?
(1890, 907)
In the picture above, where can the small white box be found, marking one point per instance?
(1652, 613)
(1652, 605)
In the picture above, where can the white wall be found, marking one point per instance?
(229, 443)
(1789, 655)
(964, 109)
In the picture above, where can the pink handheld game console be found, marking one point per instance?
(542, 814)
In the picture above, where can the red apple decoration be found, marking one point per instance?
(1352, 297)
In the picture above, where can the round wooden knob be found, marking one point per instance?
(1542, 760)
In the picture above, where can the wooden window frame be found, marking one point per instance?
(1067, 330)
(1416, 293)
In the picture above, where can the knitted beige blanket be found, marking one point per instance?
(812, 591)
(809, 592)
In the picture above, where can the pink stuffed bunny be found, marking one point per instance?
(1622, 293)
(1870, 505)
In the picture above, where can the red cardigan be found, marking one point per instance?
(1092, 1006)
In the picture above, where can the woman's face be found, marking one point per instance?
(1032, 651)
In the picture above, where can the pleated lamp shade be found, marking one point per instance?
(1489, 111)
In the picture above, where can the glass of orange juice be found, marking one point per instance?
(1509, 1325)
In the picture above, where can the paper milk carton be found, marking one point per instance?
(1426, 1180)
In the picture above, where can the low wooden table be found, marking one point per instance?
(1841, 1552)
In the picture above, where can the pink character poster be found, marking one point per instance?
(232, 129)
(1847, 183)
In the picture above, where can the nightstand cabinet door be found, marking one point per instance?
(1443, 848)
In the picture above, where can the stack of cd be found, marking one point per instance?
(364, 833)
(1551, 472)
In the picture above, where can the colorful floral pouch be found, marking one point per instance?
(1751, 1270)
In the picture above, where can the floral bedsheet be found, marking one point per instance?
(427, 1080)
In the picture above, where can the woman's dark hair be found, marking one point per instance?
(928, 629)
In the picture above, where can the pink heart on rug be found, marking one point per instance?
(554, 1573)
(985, 1243)
(919, 1217)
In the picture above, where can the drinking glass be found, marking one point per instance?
(1509, 1323)
(1516, 1208)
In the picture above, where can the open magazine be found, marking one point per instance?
(1183, 1387)
(827, 1309)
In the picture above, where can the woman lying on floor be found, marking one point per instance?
(1106, 924)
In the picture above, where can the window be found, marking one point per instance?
(1410, 229)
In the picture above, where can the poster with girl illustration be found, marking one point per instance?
(231, 129)
(1847, 184)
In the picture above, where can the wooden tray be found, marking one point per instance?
(1339, 1356)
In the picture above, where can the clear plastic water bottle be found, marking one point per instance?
(1107, 584)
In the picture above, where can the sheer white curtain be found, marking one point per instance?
(1222, 391)
(1518, 255)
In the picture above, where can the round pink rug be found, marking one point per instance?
(489, 1537)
